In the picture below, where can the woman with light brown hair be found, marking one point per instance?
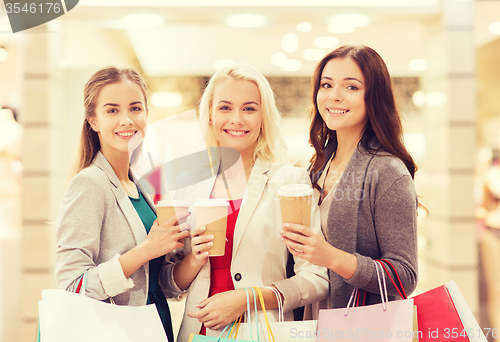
(107, 223)
(364, 177)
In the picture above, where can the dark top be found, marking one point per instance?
(155, 295)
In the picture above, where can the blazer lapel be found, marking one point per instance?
(124, 203)
(147, 190)
(253, 193)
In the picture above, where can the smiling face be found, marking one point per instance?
(340, 97)
(120, 115)
(236, 115)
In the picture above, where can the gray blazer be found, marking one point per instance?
(374, 216)
(97, 222)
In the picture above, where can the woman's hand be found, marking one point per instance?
(187, 269)
(306, 244)
(163, 239)
(200, 244)
(221, 309)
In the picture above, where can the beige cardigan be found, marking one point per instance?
(97, 222)
(259, 256)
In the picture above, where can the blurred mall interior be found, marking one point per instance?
(443, 56)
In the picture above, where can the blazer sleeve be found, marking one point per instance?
(166, 277)
(395, 220)
(80, 220)
(310, 283)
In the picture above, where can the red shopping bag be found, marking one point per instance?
(438, 320)
(442, 313)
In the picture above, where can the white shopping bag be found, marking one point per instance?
(465, 314)
(282, 331)
(65, 316)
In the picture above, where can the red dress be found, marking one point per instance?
(220, 266)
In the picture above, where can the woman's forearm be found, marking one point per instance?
(132, 260)
(342, 263)
(185, 271)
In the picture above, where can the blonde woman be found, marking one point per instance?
(238, 111)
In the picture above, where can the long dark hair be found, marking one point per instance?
(384, 121)
(89, 142)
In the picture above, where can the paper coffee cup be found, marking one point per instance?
(168, 208)
(295, 203)
(212, 213)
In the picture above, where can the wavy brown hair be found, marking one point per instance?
(384, 121)
(89, 141)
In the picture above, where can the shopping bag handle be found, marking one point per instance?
(222, 332)
(281, 317)
(249, 314)
(263, 306)
(236, 324)
(399, 285)
(383, 292)
(82, 283)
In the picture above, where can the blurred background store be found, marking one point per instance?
(443, 56)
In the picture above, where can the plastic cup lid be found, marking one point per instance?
(295, 190)
(211, 202)
(172, 203)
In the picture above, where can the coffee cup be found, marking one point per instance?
(168, 208)
(212, 213)
(295, 203)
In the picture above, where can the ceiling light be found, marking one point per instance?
(339, 28)
(350, 19)
(485, 154)
(292, 65)
(221, 63)
(4, 54)
(436, 99)
(326, 42)
(142, 20)
(279, 58)
(304, 27)
(313, 54)
(418, 98)
(165, 99)
(346, 23)
(418, 64)
(495, 28)
(290, 42)
(246, 20)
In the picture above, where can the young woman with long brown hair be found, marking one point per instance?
(107, 223)
(364, 176)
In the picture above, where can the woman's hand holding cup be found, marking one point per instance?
(164, 238)
(200, 245)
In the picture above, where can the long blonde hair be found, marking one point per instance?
(89, 141)
(270, 143)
